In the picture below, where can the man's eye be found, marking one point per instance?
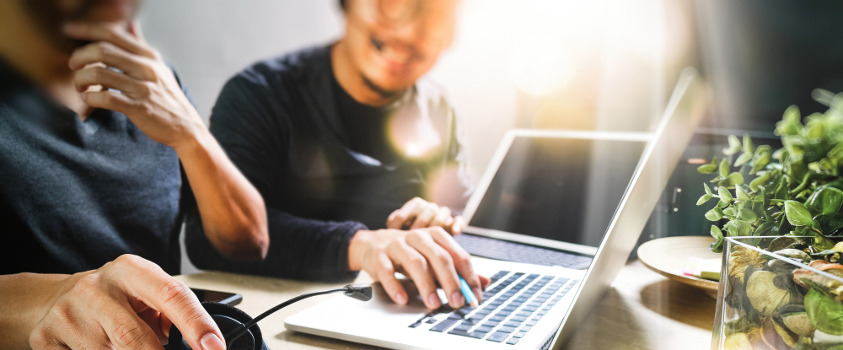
(377, 43)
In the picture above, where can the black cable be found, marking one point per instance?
(357, 292)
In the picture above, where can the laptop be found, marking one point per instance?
(583, 195)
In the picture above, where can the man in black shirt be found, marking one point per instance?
(97, 145)
(336, 138)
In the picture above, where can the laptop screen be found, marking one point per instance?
(559, 187)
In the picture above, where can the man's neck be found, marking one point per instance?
(353, 82)
(27, 50)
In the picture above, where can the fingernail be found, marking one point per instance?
(477, 292)
(210, 341)
(457, 300)
(400, 298)
(433, 301)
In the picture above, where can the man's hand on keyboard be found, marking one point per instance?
(419, 213)
(428, 256)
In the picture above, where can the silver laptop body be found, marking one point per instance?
(527, 306)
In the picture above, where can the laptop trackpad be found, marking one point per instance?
(414, 300)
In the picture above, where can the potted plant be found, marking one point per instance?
(779, 212)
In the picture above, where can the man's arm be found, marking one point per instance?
(232, 211)
(128, 303)
(251, 121)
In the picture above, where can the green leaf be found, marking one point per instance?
(747, 214)
(707, 168)
(715, 214)
(743, 159)
(732, 180)
(747, 144)
(760, 180)
(704, 199)
(826, 200)
(741, 194)
(763, 228)
(760, 159)
(730, 212)
(724, 194)
(734, 146)
(790, 123)
(724, 168)
(824, 312)
(797, 214)
(738, 228)
(717, 246)
(821, 243)
(707, 189)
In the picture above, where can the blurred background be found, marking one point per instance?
(558, 64)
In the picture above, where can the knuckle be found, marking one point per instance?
(148, 71)
(88, 285)
(96, 74)
(112, 34)
(174, 291)
(128, 334)
(385, 272)
(417, 262)
(443, 258)
(415, 234)
(145, 89)
(463, 258)
(39, 338)
(61, 312)
(102, 50)
(129, 259)
(436, 230)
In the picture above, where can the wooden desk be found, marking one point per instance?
(642, 310)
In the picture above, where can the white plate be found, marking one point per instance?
(667, 256)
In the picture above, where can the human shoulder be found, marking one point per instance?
(288, 69)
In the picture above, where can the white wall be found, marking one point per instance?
(208, 41)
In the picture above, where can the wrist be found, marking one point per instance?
(194, 139)
(357, 247)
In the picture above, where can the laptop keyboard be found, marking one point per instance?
(517, 252)
(511, 306)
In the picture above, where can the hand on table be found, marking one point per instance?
(427, 256)
(419, 213)
(127, 303)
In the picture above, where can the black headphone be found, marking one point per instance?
(241, 332)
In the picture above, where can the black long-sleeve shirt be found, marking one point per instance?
(326, 165)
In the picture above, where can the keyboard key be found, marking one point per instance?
(467, 334)
(483, 329)
(490, 324)
(463, 327)
(442, 326)
(513, 341)
(506, 329)
(497, 337)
